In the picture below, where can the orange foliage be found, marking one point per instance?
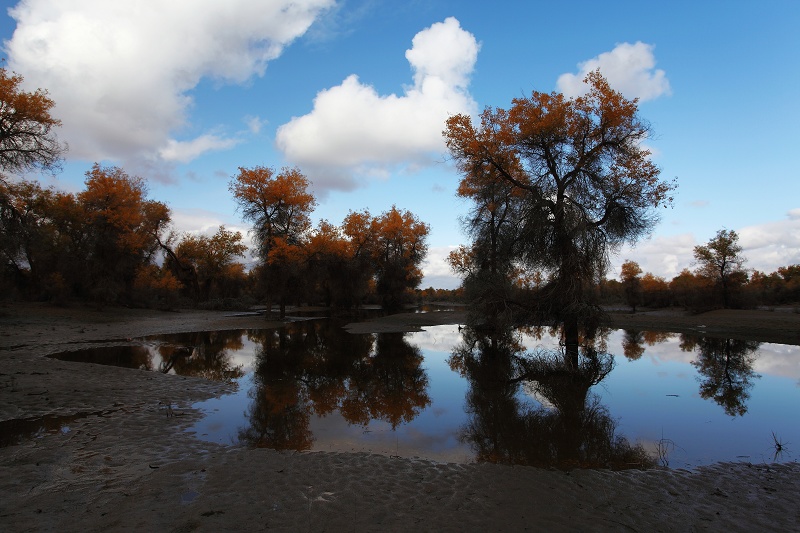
(27, 139)
(116, 205)
(278, 205)
(358, 228)
(630, 270)
(327, 241)
(399, 235)
(150, 277)
(462, 260)
(651, 283)
(285, 254)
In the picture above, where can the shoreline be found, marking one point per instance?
(125, 464)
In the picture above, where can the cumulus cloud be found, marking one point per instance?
(121, 72)
(437, 271)
(352, 131)
(773, 244)
(629, 68)
(201, 221)
(663, 256)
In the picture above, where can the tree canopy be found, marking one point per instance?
(721, 262)
(581, 176)
(278, 205)
(27, 128)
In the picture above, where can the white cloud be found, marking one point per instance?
(659, 255)
(773, 244)
(200, 221)
(437, 271)
(354, 130)
(121, 72)
(254, 124)
(185, 151)
(629, 69)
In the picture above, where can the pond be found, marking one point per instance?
(633, 399)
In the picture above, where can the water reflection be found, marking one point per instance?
(316, 368)
(16, 430)
(205, 354)
(634, 341)
(140, 357)
(568, 428)
(725, 368)
(513, 396)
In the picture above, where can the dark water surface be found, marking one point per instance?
(635, 399)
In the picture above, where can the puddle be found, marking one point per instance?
(189, 496)
(13, 432)
(208, 354)
(676, 400)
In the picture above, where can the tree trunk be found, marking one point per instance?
(571, 343)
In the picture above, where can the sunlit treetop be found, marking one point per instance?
(580, 162)
(116, 204)
(276, 204)
(27, 136)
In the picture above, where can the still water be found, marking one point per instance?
(632, 399)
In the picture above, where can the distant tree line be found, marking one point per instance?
(111, 243)
(719, 279)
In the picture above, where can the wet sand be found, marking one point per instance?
(126, 462)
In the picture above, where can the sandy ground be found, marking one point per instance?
(124, 464)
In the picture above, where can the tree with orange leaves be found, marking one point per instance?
(32, 222)
(632, 283)
(210, 258)
(94, 244)
(278, 206)
(337, 273)
(122, 230)
(488, 267)
(27, 142)
(27, 136)
(586, 183)
(398, 249)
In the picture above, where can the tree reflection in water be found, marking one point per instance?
(203, 354)
(726, 370)
(569, 429)
(634, 340)
(316, 368)
(390, 385)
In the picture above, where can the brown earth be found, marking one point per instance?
(124, 464)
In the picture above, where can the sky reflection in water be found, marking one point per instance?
(451, 395)
(317, 387)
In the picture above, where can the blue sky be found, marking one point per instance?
(355, 94)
